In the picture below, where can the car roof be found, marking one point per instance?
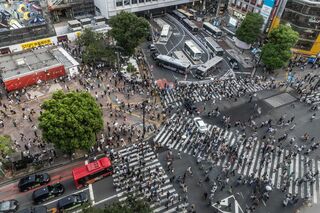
(66, 200)
(41, 191)
(28, 179)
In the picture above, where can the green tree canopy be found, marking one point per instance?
(128, 30)
(71, 120)
(95, 47)
(250, 28)
(130, 205)
(276, 53)
(5, 146)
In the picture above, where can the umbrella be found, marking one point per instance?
(268, 188)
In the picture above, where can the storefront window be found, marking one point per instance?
(119, 3)
(134, 1)
(304, 45)
(141, 1)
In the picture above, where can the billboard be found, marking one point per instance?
(16, 14)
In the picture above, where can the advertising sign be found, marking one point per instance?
(36, 43)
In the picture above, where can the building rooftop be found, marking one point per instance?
(24, 62)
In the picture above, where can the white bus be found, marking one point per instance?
(202, 70)
(99, 20)
(213, 30)
(178, 15)
(214, 46)
(190, 25)
(173, 64)
(186, 14)
(192, 50)
(164, 36)
(74, 25)
(85, 23)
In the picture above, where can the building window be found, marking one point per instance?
(141, 1)
(304, 45)
(259, 3)
(126, 2)
(148, 0)
(134, 1)
(253, 2)
(119, 3)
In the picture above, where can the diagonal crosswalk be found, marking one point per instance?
(139, 172)
(280, 166)
(217, 90)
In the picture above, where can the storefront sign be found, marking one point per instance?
(37, 43)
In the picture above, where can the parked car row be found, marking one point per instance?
(42, 195)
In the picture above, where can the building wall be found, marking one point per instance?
(304, 17)
(20, 82)
(108, 8)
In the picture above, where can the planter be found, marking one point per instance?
(242, 45)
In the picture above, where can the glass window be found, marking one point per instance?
(119, 3)
(134, 1)
(148, 0)
(141, 1)
(304, 45)
(126, 2)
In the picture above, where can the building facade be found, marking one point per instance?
(238, 9)
(304, 17)
(109, 8)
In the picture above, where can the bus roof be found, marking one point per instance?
(173, 60)
(91, 168)
(192, 46)
(185, 13)
(180, 15)
(209, 64)
(187, 21)
(165, 30)
(216, 29)
(213, 43)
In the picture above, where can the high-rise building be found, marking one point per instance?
(108, 8)
(304, 17)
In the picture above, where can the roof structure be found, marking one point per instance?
(25, 62)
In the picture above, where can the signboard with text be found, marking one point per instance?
(36, 43)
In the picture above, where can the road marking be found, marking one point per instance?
(90, 188)
(104, 200)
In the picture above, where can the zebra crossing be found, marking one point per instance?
(139, 172)
(182, 135)
(217, 89)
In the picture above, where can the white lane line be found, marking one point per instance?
(90, 187)
(104, 200)
(53, 201)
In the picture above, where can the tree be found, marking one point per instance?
(95, 47)
(130, 205)
(128, 30)
(276, 53)
(5, 146)
(71, 120)
(250, 28)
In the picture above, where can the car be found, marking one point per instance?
(9, 206)
(33, 181)
(189, 105)
(154, 55)
(202, 127)
(233, 63)
(72, 201)
(36, 209)
(152, 47)
(47, 192)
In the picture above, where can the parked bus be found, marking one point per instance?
(214, 46)
(178, 15)
(92, 172)
(173, 64)
(99, 20)
(202, 70)
(193, 12)
(165, 33)
(185, 13)
(213, 30)
(192, 50)
(85, 23)
(74, 25)
(190, 25)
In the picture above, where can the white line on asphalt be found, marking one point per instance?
(90, 188)
(104, 200)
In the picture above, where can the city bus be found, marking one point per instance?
(74, 25)
(202, 70)
(193, 12)
(190, 25)
(99, 20)
(92, 172)
(178, 15)
(165, 33)
(173, 64)
(214, 46)
(212, 30)
(192, 50)
(185, 13)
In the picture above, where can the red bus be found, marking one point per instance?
(92, 172)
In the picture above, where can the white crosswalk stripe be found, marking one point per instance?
(210, 90)
(285, 170)
(139, 172)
